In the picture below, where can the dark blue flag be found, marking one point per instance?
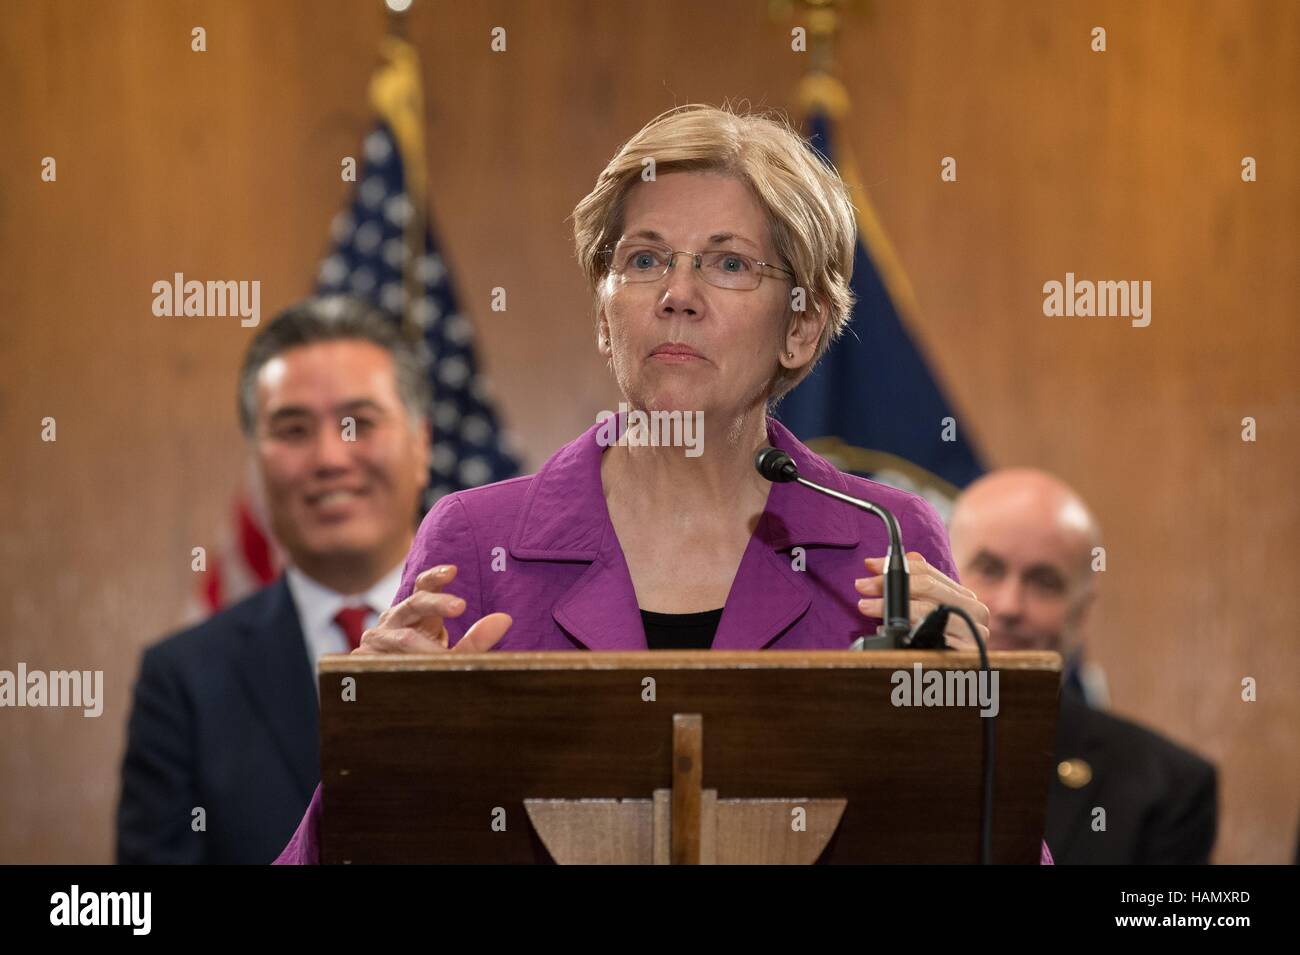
(872, 405)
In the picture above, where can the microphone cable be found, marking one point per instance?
(929, 636)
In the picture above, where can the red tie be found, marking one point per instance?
(352, 621)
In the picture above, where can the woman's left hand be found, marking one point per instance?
(928, 587)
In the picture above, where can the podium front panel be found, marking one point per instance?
(430, 758)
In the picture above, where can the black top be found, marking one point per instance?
(680, 631)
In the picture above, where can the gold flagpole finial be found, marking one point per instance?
(820, 90)
(821, 19)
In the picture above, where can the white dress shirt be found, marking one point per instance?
(317, 607)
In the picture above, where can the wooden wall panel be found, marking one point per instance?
(225, 165)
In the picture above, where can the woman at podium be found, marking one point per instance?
(718, 248)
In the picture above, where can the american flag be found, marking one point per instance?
(371, 258)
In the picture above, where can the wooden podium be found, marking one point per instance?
(676, 756)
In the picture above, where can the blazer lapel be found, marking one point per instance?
(600, 611)
(768, 594)
(564, 519)
(766, 598)
(277, 675)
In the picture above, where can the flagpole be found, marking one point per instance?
(820, 90)
(397, 95)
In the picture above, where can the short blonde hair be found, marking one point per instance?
(809, 211)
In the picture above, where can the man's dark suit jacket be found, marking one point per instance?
(1160, 799)
(225, 719)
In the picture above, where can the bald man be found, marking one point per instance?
(1024, 542)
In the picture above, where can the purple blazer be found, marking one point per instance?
(542, 548)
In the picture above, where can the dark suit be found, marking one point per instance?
(1160, 799)
(225, 718)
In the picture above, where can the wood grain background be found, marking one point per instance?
(224, 165)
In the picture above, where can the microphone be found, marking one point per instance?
(779, 468)
(893, 632)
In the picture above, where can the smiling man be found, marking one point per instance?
(223, 744)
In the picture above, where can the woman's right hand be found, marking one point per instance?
(416, 624)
